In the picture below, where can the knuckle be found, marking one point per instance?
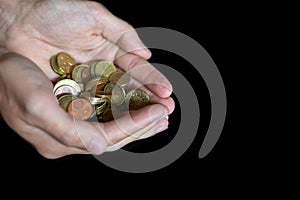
(34, 104)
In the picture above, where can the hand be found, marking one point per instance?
(87, 31)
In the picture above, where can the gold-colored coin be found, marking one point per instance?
(86, 95)
(65, 62)
(109, 88)
(81, 85)
(94, 100)
(101, 108)
(103, 69)
(77, 73)
(97, 100)
(65, 100)
(55, 67)
(67, 82)
(118, 95)
(120, 78)
(137, 99)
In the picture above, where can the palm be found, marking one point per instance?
(51, 27)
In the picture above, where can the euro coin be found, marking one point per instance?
(137, 99)
(80, 109)
(65, 62)
(65, 100)
(55, 67)
(120, 78)
(118, 95)
(77, 73)
(65, 89)
(95, 81)
(109, 88)
(101, 108)
(103, 69)
(68, 82)
(107, 115)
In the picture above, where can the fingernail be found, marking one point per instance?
(147, 51)
(96, 147)
(161, 129)
(157, 112)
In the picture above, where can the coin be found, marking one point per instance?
(101, 108)
(96, 100)
(55, 67)
(137, 99)
(80, 109)
(85, 75)
(107, 115)
(103, 69)
(120, 78)
(77, 73)
(67, 82)
(109, 88)
(65, 89)
(65, 100)
(86, 95)
(118, 95)
(65, 62)
(98, 88)
(92, 83)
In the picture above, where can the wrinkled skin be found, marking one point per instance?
(87, 31)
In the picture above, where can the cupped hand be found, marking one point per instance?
(87, 31)
(30, 108)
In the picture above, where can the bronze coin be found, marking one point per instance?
(98, 88)
(80, 109)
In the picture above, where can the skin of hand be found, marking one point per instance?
(87, 31)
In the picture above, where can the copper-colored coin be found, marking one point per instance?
(80, 109)
(66, 62)
(98, 88)
(120, 78)
(89, 86)
(107, 115)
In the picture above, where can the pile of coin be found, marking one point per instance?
(96, 90)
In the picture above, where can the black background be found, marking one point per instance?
(215, 28)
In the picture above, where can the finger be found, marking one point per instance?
(46, 145)
(154, 99)
(145, 73)
(121, 33)
(67, 130)
(43, 111)
(121, 128)
(144, 133)
(39, 107)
